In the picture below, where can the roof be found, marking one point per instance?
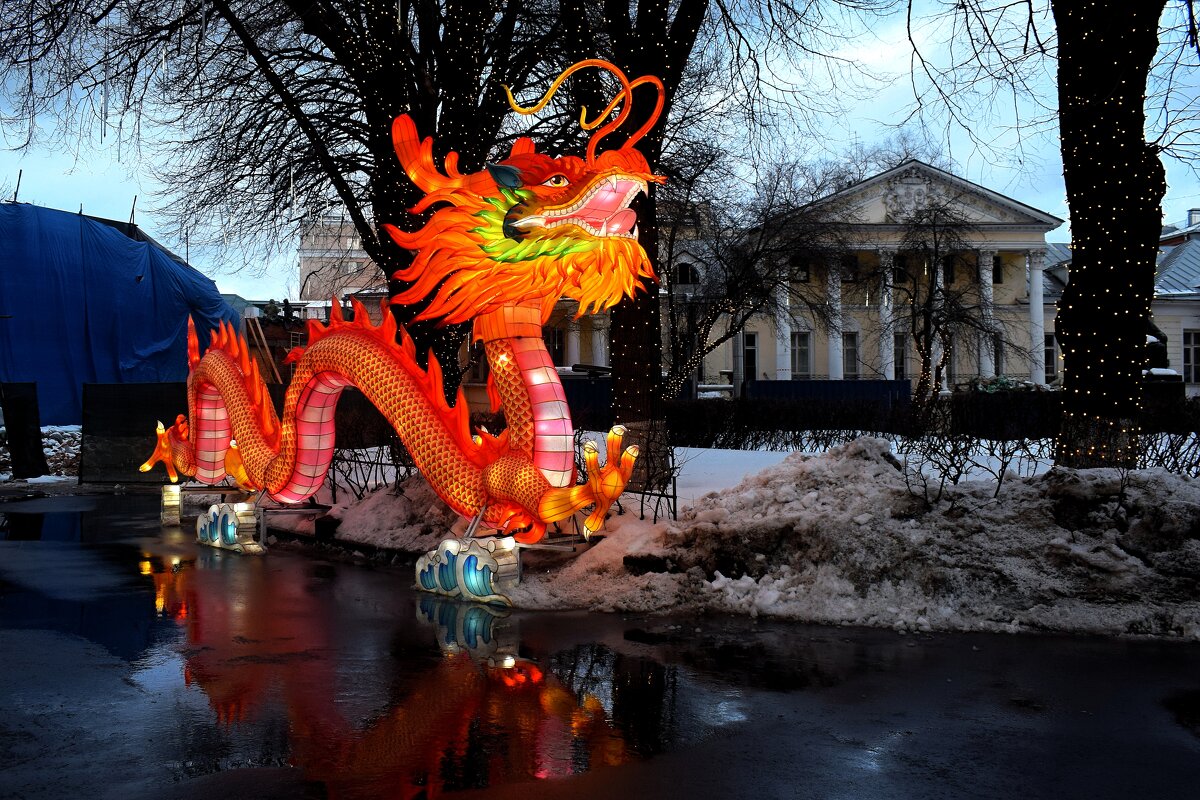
(1057, 253)
(1181, 230)
(1179, 269)
(1177, 273)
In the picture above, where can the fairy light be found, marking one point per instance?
(1115, 184)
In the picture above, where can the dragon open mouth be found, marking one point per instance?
(603, 210)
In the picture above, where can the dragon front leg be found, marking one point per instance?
(520, 499)
(604, 484)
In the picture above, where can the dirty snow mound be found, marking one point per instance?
(848, 538)
(412, 519)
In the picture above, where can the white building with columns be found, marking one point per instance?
(1002, 249)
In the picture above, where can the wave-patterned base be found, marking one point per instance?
(230, 526)
(472, 569)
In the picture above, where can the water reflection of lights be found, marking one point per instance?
(170, 584)
(730, 710)
(483, 714)
(872, 756)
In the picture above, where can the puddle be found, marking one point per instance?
(149, 665)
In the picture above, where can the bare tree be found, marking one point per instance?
(938, 297)
(860, 161)
(762, 49)
(1124, 101)
(729, 260)
(263, 116)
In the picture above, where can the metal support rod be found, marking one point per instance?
(470, 532)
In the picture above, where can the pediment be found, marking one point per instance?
(893, 197)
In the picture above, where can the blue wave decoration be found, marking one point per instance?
(478, 580)
(427, 578)
(229, 529)
(446, 577)
(469, 569)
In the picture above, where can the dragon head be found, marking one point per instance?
(529, 229)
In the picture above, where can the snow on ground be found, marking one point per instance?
(846, 538)
(413, 520)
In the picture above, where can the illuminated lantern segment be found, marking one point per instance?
(501, 248)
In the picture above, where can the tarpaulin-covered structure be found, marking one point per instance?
(84, 300)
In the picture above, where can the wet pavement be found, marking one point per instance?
(134, 663)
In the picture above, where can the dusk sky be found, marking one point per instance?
(106, 186)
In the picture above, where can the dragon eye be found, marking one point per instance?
(556, 181)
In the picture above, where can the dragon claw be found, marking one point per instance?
(606, 483)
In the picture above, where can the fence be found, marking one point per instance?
(118, 423)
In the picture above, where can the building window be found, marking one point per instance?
(997, 269)
(850, 355)
(686, 273)
(1191, 356)
(750, 356)
(997, 354)
(801, 355)
(899, 268)
(849, 268)
(1052, 357)
(352, 267)
(900, 354)
(798, 267)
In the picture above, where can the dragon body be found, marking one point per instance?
(501, 248)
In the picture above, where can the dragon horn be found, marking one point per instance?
(626, 93)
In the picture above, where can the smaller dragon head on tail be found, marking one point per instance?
(532, 228)
(166, 443)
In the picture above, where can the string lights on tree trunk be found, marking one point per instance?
(1115, 184)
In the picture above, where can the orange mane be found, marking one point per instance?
(529, 229)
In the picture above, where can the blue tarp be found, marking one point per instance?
(86, 301)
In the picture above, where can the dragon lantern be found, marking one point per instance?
(502, 247)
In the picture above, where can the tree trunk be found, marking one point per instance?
(1115, 183)
(659, 43)
(637, 340)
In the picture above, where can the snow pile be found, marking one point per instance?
(845, 538)
(1065, 551)
(412, 519)
(60, 443)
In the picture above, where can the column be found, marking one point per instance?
(599, 341)
(783, 336)
(739, 362)
(887, 322)
(571, 345)
(987, 364)
(833, 293)
(1037, 318)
